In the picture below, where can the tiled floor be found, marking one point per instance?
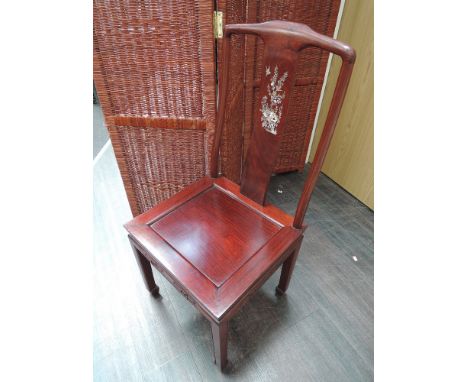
(100, 136)
(321, 330)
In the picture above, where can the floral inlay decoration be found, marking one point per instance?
(271, 103)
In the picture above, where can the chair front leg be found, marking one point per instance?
(287, 270)
(145, 270)
(220, 339)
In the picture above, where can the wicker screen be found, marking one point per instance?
(321, 16)
(154, 71)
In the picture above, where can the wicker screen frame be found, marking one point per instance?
(154, 71)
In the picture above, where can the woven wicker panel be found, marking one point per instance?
(234, 11)
(321, 16)
(152, 158)
(295, 140)
(155, 59)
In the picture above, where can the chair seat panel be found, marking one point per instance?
(215, 233)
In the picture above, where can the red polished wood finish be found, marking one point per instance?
(220, 336)
(146, 271)
(218, 242)
(202, 261)
(283, 40)
(264, 147)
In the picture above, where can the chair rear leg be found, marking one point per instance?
(146, 271)
(287, 270)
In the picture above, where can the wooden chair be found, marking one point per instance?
(218, 242)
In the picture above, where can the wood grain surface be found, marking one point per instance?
(215, 233)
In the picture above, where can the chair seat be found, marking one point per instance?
(214, 244)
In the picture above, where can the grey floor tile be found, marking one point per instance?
(100, 135)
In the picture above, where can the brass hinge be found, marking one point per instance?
(218, 24)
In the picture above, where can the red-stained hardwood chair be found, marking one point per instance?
(218, 242)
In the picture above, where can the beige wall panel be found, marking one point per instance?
(350, 159)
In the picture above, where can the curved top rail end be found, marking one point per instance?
(300, 35)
